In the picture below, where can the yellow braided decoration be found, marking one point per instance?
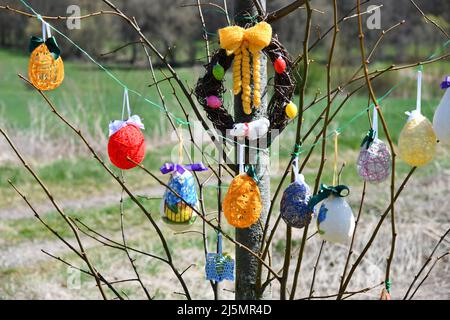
(237, 83)
(246, 89)
(256, 79)
(241, 42)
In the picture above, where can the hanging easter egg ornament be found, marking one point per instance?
(279, 65)
(294, 208)
(441, 119)
(218, 72)
(241, 50)
(335, 220)
(374, 160)
(291, 110)
(242, 203)
(181, 196)
(45, 68)
(417, 142)
(213, 102)
(219, 266)
(126, 140)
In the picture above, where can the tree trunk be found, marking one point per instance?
(246, 264)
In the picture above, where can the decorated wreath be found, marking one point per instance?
(242, 48)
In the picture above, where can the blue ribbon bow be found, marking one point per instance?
(446, 83)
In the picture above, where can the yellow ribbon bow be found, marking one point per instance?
(239, 41)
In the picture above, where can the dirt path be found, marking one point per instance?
(92, 202)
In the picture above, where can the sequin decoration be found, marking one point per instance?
(374, 163)
(294, 205)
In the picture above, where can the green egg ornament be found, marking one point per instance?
(218, 72)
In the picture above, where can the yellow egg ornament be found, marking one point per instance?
(417, 142)
(291, 110)
(45, 67)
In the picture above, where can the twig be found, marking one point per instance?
(428, 273)
(280, 13)
(311, 289)
(427, 19)
(117, 179)
(427, 261)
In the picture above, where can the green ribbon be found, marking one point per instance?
(51, 44)
(369, 138)
(388, 286)
(326, 191)
(251, 172)
(297, 151)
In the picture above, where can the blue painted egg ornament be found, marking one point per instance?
(294, 204)
(177, 210)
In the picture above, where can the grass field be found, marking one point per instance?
(91, 99)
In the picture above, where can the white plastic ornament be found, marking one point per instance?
(335, 220)
(252, 130)
(441, 119)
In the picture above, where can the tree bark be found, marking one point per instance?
(246, 264)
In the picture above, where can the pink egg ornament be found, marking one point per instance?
(213, 102)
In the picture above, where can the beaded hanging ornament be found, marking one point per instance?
(442, 114)
(243, 48)
(374, 160)
(219, 266)
(126, 140)
(417, 142)
(335, 220)
(45, 67)
(294, 207)
(242, 202)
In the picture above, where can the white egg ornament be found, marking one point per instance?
(441, 117)
(335, 220)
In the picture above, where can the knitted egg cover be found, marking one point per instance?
(126, 142)
(44, 71)
(242, 203)
(284, 86)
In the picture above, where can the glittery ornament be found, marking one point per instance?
(417, 142)
(374, 162)
(294, 207)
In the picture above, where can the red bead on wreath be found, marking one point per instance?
(127, 142)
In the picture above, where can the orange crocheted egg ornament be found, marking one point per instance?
(126, 141)
(46, 67)
(242, 203)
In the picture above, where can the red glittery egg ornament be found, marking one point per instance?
(126, 141)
